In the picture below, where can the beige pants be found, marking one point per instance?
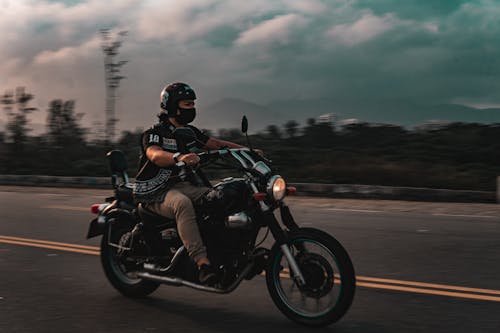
(178, 205)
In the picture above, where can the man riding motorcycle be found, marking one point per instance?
(159, 186)
(308, 273)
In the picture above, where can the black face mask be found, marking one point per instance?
(185, 116)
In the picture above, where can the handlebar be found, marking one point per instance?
(206, 155)
(213, 154)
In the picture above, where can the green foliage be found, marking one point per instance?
(457, 156)
(291, 128)
(17, 130)
(16, 107)
(274, 132)
(229, 134)
(62, 124)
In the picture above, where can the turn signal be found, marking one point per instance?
(259, 196)
(291, 190)
(94, 209)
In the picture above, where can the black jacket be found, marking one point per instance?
(152, 181)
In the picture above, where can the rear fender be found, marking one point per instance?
(96, 228)
(99, 225)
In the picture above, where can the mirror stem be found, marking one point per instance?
(248, 141)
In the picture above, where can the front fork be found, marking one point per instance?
(281, 237)
(297, 274)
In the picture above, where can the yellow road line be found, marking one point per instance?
(421, 284)
(52, 247)
(429, 291)
(446, 292)
(362, 281)
(95, 248)
(429, 285)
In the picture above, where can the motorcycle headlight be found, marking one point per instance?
(276, 188)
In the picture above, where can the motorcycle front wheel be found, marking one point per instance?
(120, 272)
(328, 273)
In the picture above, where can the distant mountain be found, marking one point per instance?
(227, 113)
(411, 114)
(455, 112)
(394, 112)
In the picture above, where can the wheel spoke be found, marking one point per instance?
(120, 268)
(328, 273)
(303, 300)
(318, 264)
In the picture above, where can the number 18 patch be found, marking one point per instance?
(154, 138)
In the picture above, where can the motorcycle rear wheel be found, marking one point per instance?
(118, 273)
(327, 270)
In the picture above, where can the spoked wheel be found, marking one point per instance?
(328, 273)
(120, 270)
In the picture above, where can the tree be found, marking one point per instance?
(318, 134)
(291, 128)
(17, 125)
(274, 131)
(63, 125)
(229, 134)
(3, 158)
(207, 132)
(17, 109)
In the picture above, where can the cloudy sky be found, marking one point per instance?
(260, 51)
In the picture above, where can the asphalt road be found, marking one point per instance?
(421, 267)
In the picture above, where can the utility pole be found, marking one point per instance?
(112, 77)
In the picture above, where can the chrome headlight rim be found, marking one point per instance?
(277, 193)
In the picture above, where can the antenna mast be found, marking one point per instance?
(112, 77)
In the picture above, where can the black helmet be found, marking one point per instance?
(172, 94)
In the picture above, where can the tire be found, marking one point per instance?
(325, 279)
(115, 271)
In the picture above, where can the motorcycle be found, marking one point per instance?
(308, 273)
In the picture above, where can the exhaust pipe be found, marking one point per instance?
(177, 256)
(174, 281)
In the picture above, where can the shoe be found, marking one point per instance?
(207, 275)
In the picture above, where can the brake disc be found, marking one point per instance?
(318, 275)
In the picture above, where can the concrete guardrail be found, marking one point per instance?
(308, 189)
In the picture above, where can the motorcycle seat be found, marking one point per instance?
(150, 217)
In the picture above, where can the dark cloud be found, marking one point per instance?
(222, 37)
(67, 2)
(353, 54)
(412, 9)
